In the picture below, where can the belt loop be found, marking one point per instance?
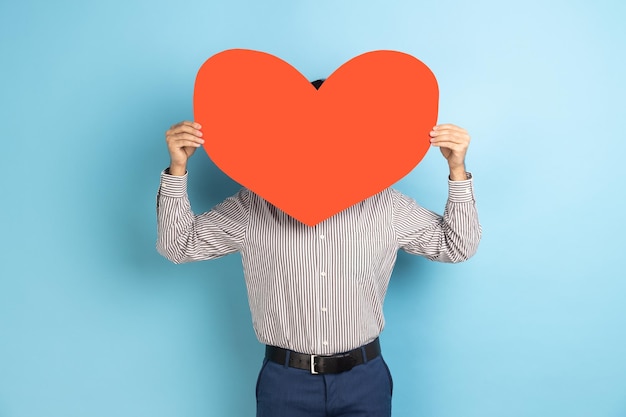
(365, 359)
(287, 357)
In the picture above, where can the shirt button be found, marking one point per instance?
(324, 309)
(322, 236)
(323, 273)
(325, 342)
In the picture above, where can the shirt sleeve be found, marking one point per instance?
(453, 237)
(183, 236)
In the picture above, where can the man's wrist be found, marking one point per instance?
(177, 170)
(458, 173)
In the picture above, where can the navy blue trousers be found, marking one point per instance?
(364, 391)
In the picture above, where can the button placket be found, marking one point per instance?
(323, 289)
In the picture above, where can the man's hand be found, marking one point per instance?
(182, 141)
(453, 142)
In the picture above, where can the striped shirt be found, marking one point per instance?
(316, 290)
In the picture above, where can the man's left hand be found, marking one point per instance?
(453, 142)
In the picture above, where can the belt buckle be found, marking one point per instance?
(313, 371)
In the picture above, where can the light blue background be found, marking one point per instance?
(93, 322)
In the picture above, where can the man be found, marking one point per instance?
(316, 293)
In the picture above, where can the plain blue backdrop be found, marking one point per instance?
(93, 322)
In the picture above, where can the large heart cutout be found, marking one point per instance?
(313, 153)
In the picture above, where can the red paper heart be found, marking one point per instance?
(313, 153)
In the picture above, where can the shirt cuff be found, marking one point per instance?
(173, 185)
(461, 191)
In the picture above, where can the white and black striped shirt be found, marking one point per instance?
(316, 290)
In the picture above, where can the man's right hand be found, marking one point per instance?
(182, 141)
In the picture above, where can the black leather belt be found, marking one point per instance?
(316, 364)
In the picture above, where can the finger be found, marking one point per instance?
(185, 137)
(185, 144)
(185, 128)
(195, 125)
(458, 135)
(453, 146)
(440, 132)
(450, 138)
(449, 126)
(453, 138)
(182, 134)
